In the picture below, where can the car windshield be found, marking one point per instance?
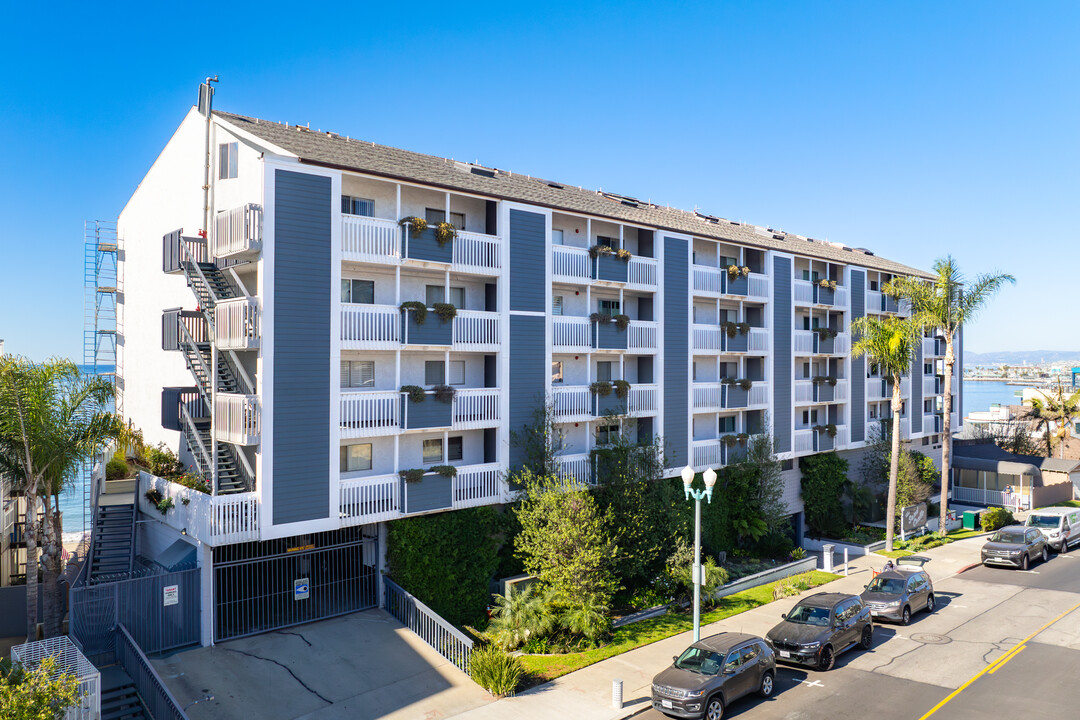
(806, 615)
(1010, 538)
(1043, 521)
(889, 586)
(698, 660)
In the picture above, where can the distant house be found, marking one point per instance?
(984, 474)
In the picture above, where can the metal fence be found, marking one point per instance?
(68, 660)
(446, 639)
(157, 698)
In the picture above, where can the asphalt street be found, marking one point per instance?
(1001, 642)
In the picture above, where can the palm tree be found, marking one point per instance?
(1055, 408)
(889, 343)
(51, 421)
(946, 304)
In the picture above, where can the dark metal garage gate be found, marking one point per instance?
(263, 586)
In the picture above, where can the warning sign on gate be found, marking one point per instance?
(171, 595)
(301, 589)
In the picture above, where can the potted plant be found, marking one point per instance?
(413, 475)
(416, 225)
(597, 250)
(733, 271)
(623, 254)
(743, 438)
(831, 429)
(831, 380)
(744, 328)
(154, 496)
(415, 392)
(730, 328)
(445, 311)
(444, 233)
(622, 322)
(622, 389)
(728, 381)
(418, 309)
(444, 470)
(601, 388)
(444, 393)
(745, 269)
(597, 317)
(746, 384)
(823, 283)
(729, 441)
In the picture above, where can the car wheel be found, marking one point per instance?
(906, 617)
(1046, 554)
(867, 640)
(1024, 562)
(827, 659)
(768, 684)
(714, 709)
(930, 603)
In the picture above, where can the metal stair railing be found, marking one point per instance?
(233, 363)
(188, 343)
(206, 466)
(243, 467)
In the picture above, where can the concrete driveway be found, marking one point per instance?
(364, 665)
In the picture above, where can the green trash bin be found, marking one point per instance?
(971, 520)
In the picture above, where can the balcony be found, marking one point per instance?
(707, 337)
(476, 253)
(571, 264)
(371, 240)
(758, 287)
(707, 397)
(476, 408)
(425, 246)
(642, 336)
(873, 301)
(382, 327)
(572, 403)
(719, 452)
(707, 281)
(369, 499)
(805, 392)
(370, 327)
(571, 334)
(577, 467)
(237, 418)
(236, 324)
(714, 282)
(759, 340)
(608, 268)
(642, 272)
(932, 385)
(642, 400)
(378, 498)
(877, 389)
(370, 413)
(803, 441)
(237, 232)
(607, 336)
(805, 342)
(932, 423)
(210, 519)
(810, 293)
(433, 331)
(476, 330)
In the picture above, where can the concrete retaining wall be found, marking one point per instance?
(817, 544)
(751, 581)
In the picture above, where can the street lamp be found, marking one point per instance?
(687, 480)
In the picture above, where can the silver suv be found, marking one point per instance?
(896, 594)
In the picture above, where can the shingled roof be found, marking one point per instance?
(333, 150)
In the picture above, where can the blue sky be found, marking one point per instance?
(913, 129)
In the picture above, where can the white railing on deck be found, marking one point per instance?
(236, 324)
(759, 340)
(804, 441)
(237, 231)
(476, 253)
(370, 499)
(929, 347)
(571, 334)
(237, 418)
(841, 344)
(905, 387)
(978, 496)
(570, 263)
(642, 335)
(706, 280)
(366, 413)
(905, 428)
(842, 437)
(706, 396)
(929, 386)
(804, 342)
(577, 467)
(758, 287)
(370, 327)
(804, 292)
(840, 391)
(759, 393)
(876, 389)
(476, 330)
(368, 239)
(571, 403)
(446, 639)
(641, 271)
(707, 453)
(804, 391)
(706, 337)
(873, 301)
(641, 400)
(478, 485)
(475, 409)
(840, 297)
(210, 519)
(929, 423)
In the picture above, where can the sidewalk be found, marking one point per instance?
(586, 694)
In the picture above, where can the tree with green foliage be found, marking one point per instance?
(890, 344)
(38, 693)
(823, 478)
(52, 420)
(947, 304)
(447, 560)
(540, 441)
(1056, 411)
(915, 479)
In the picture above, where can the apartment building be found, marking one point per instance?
(333, 314)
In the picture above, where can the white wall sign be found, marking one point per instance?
(171, 595)
(301, 589)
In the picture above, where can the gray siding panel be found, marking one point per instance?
(915, 409)
(676, 351)
(858, 364)
(434, 492)
(302, 307)
(528, 243)
(528, 376)
(783, 402)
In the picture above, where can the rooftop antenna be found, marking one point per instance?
(206, 106)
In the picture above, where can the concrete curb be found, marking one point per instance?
(968, 567)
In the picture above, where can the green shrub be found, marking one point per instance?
(798, 554)
(792, 585)
(996, 518)
(520, 617)
(116, 469)
(823, 478)
(494, 670)
(162, 461)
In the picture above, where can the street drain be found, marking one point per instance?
(931, 639)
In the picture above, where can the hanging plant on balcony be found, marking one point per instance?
(444, 233)
(733, 271)
(729, 441)
(728, 381)
(823, 283)
(745, 270)
(413, 475)
(416, 225)
(746, 384)
(743, 438)
(818, 428)
(601, 388)
(444, 393)
(622, 322)
(623, 254)
(448, 471)
(622, 389)
(445, 311)
(730, 328)
(831, 429)
(600, 318)
(419, 310)
(744, 328)
(597, 250)
(831, 380)
(415, 392)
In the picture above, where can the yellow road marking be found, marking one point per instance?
(1006, 658)
(1016, 648)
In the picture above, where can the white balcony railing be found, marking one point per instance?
(706, 337)
(873, 301)
(804, 342)
(570, 263)
(476, 408)
(804, 441)
(476, 253)
(842, 437)
(978, 496)
(707, 453)
(706, 397)
(237, 231)
(877, 389)
(572, 403)
(804, 292)
(840, 391)
(929, 386)
(804, 392)
(577, 466)
(905, 428)
(642, 336)
(369, 499)
(903, 308)
(370, 327)
(758, 287)
(368, 239)
(840, 297)
(210, 519)
(477, 330)
(237, 418)
(641, 271)
(929, 423)
(905, 387)
(841, 344)
(368, 413)
(759, 340)
(707, 280)
(642, 400)
(476, 485)
(759, 394)
(571, 334)
(236, 324)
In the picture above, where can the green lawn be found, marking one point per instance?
(963, 534)
(894, 553)
(548, 667)
(953, 536)
(1066, 503)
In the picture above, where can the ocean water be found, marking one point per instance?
(71, 500)
(979, 396)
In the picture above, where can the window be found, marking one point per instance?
(726, 424)
(805, 417)
(693, 371)
(873, 285)
(612, 243)
(434, 372)
(457, 372)
(227, 155)
(603, 371)
(749, 652)
(556, 371)
(437, 294)
(434, 217)
(355, 458)
(557, 237)
(806, 369)
(357, 206)
(727, 261)
(606, 434)
(357, 291)
(433, 451)
(556, 305)
(357, 373)
(609, 307)
(454, 448)
(787, 465)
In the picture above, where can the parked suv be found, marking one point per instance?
(1059, 525)
(896, 594)
(821, 627)
(1015, 546)
(712, 673)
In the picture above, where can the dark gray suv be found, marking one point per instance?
(712, 673)
(821, 627)
(1015, 546)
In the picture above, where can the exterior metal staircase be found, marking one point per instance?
(119, 698)
(113, 547)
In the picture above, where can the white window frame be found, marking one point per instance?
(423, 451)
(454, 377)
(556, 372)
(346, 458)
(228, 160)
(351, 368)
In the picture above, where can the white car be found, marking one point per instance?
(1059, 525)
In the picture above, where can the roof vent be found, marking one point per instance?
(864, 251)
(707, 218)
(555, 185)
(623, 199)
(778, 236)
(483, 172)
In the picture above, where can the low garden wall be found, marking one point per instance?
(818, 545)
(777, 573)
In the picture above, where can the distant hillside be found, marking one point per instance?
(1021, 357)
